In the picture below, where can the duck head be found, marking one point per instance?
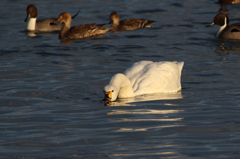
(220, 19)
(65, 18)
(31, 12)
(114, 18)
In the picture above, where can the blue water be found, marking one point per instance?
(51, 91)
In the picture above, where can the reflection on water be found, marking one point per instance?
(141, 112)
(68, 42)
(31, 34)
(227, 47)
(145, 128)
(144, 111)
(146, 97)
(126, 120)
(150, 150)
(144, 154)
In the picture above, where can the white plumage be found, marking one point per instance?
(145, 77)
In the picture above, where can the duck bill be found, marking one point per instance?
(210, 24)
(110, 22)
(54, 22)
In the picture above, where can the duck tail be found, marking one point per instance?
(148, 24)
(76, 14)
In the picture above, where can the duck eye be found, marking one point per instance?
(112, 90)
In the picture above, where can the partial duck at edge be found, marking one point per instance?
(229, 1)
(226, 31)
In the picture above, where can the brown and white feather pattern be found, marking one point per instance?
(132, 24)
(128, 24)
(226, 31)
(79, 31)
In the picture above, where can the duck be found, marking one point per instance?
(229, 1)
(42, 25)
(231, 32)
(78, 31)
(144, 77)
(128, 24)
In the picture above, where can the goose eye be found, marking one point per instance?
(112, 90)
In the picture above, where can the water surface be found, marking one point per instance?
(51, 90)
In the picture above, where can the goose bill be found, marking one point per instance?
(108, 96)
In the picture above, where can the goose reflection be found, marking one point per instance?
(145, 154)
(144, 98)
(140, 113)
(147, 128)
(145, 121)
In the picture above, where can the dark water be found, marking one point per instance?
(50, 90)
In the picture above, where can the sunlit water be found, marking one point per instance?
(51, 91)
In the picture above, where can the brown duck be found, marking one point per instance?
(229, 1)
(78, 31)
(128, 24)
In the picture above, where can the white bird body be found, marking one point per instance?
(146, 77)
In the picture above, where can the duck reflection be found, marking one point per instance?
(224, 3)
(226, 47)
(223, 8)
(147, 97)
(70, 41)
(37, 33)
(31, 34)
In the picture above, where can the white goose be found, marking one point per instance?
(145, 77)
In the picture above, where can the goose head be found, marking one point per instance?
(110, 94)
